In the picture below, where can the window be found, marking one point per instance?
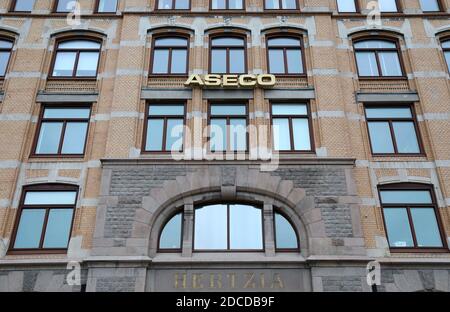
(106, 6)
(388, 5)
(446, 49)
(228, 127)
(227, 4)
(76, 59)
(347, 6)
(174, 4)
(171, 235)
(228, 227)
(411, 217)
(5, 55)
(280, 4)
(44, 220)
(291, 127)
(430, 5)
(378, 58)
(285, 55)
(23, 5)
(285, 236)
(62, 131)
(228, 55)
(393, 130)
(165, 126)
(64, 6)
(170, 55)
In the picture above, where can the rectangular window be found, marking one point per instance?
(393, 130)
(228, 127)
(165, 128)
(106, 6)
(430, 5)
(227, 4)
(23, 5)
(173, 4)
(347, 6)
(280, 4)
(64, 6)
(388, 5)
(62, 131)
(446, 49)
(411, 219)
(291, 127)
(45, 219)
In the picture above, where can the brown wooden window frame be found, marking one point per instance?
(376, 51)
(228, 49)
(297, 6)
(228, 117)
(47, 208)
(446, 50)
(308, 116)
(97, 7)
(10, 51)
(285, 48)
(155, 38)
(227, 6)
(12, 7)
(228, 249)
(64, 121)
(433, 205)
(277, 211)
(77, 57)
(357, 8)
(171, 250)
(165, 118)
(173, 6)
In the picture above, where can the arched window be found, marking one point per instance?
(378, 58)
(446, 49)
(170, 55)
(285, 235)
(171, 235)
(45, 217)
(285, 55)
(77, 58)
(5, 55)
(411, 217)
(228, 55)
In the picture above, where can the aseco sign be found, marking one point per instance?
(231, 81)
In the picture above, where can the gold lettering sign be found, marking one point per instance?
(231, 81)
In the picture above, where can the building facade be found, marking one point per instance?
(334, 123)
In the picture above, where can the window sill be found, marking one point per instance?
(369, 78)
(36, 252)
(418, 250)
(54, 78)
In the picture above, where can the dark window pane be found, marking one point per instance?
(390, 64)
(181, 4)
(281, 135)
(165, 4)
(58, 228)
(426, 227)
(4, 59)
(429, 5)
(397, 227)
(380, 137)
(276, 61)
(346, 5)
(284, 233)
(50, 198)
(406, 197)
(367, 64)
(87, 64)
(155, 130)
(218, 135)
(300, 131)
(64, 6)
(74, 138)
(228, 110)
(49, 138)
(174, 135)
(107, 6)
(218, 4)
(388, 5)
(238, 134)
(392, 112)
(406, 137)
(294, 61)
(161, 62)
(171, 234)
(218, 61)
(245, 227)
(166, 110)
(30, 228)
(64, 64)
(211, 227)
(24, 5)
(179, 61)
(237, 61)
